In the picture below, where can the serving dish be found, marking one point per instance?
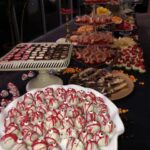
(113, 111)
(125, 91)
(113, 84)
(85, 56)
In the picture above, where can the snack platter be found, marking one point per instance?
(85, 56)
(126, 90)
(113, 84)
(111, 111)
(37, 56)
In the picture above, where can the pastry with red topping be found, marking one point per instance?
(8, 120)
(60, 94)
(43, 108)
(88, 107)
(14, 113)
(52, 121)
(53, 103)
(39, 97)
(30, 109)
(103, 117)
(53, 133)
(67, 123)
(108, 127)
(61, 113)
(37, 116)
(89, 96)
(30, 137)
(20, 145)
(8, 141)
(92, 145)
(22, 120)
(72, 99)
(27, 127)
(54, 146)
(12, 128)
(74, 144)
(20, 106)
(101, 138)
(39, 128)
(39, 145)
(73, 112)
(80, 122)
(48, 92)
(85, 136)
(93, 127)
(102, 108)
(28, 99)
(72, 132)
(91, 116)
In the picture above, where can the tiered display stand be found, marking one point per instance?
(42, 66)
(97, 28)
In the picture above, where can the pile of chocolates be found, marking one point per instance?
(37, 51)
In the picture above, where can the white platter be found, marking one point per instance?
(15, 65)
(113, 111)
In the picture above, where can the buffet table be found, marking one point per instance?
(136, 121)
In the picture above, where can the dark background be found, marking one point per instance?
(32, 25)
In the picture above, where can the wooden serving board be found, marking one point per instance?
(125, 91)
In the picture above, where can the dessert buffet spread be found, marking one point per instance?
(36, 56)
(72, 117)
(113, 84)
(60, 118)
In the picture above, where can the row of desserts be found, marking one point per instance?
(34, 51)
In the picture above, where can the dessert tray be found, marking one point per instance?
(113, 84)
(61, 117)
(37, 56)
(41, 57)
